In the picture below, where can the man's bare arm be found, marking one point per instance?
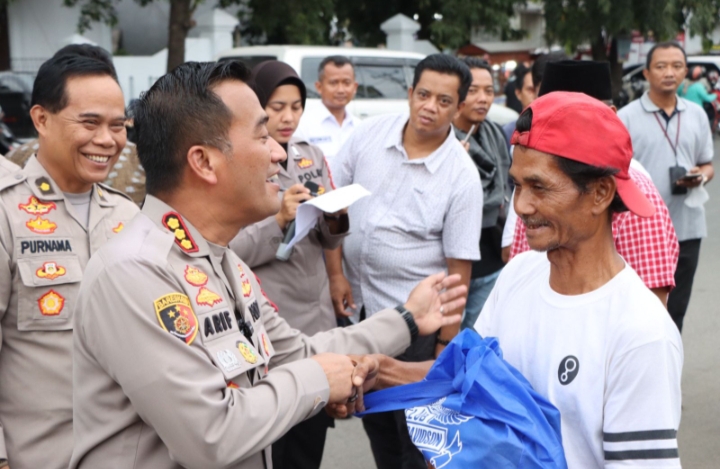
(661, 293)
(394, 372)
(464, 269)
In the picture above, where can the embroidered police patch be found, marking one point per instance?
(207, 297)
(50, 271)
(247, 353)
(51, 303)
(195, 276)
(174, 222)
(40, 225)
(118, 228)
(304, 163)
(37, 207)
(177, 317)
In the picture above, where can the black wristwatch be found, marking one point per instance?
(410, 321)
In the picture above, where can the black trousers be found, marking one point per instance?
(390, 441)
(684, 275)
(387, 431)
(302, 447)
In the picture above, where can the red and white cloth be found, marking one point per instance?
(648, 245)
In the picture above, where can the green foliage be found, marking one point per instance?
(460, 17)
(703, 18)
(285, 21)
(457, 19)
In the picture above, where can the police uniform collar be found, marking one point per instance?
(433, 161)
(187, 238)
(649, 106)
(100, 194)
(40, 182)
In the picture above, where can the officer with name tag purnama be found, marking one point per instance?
(54, 214)
(179, 360)
(126, 174)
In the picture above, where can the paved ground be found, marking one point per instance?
(348, 448)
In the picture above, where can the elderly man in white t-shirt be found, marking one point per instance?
(571, 315)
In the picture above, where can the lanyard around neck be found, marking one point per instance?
(677, 135)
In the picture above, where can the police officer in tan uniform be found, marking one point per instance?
(179, 359)
(53, 215)
(127, 174)
(299, 286)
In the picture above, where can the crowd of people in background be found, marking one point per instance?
(95, 292)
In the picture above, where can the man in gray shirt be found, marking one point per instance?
(424, 215)
(672, 140)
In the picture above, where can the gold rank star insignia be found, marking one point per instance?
(173, 222)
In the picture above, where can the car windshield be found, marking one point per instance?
(377, 77)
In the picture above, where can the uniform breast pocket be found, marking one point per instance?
(47, 292)
(234, 356)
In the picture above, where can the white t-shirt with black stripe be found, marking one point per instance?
(609, 360)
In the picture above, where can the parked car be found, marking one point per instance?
(15, 97)
(635, 84)
(383, 76)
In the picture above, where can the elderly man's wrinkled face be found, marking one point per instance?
(554, 211)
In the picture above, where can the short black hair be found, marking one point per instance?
(337, 60)
(538, 67)
(446, 64)
(581, 174)
(87, 50)
(663, 45)
(520, 72)
(475, 62)
(181, 110)
(51, 80)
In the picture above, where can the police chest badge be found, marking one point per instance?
(247, 352)
(177, 317)
(36, 207)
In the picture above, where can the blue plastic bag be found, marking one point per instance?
(474, 410)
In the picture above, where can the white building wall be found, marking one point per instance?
(38, 28)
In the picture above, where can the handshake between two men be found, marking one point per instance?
(350, 376)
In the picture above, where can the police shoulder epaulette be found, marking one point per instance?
(12, 179)
(112, 190)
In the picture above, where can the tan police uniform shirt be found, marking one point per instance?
(127, 175)
(164, 376)
(7, 167)
(43, 251)
(300, 286)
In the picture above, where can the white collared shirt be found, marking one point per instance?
(420, 213)
(320, 128)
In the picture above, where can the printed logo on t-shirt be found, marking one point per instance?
(569, 367)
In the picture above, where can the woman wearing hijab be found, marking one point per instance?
(299, 286)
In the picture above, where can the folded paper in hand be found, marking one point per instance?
(309, 213)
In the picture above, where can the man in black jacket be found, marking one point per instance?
(488, 149)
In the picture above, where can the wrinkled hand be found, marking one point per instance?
(338, 371)
(293, 197)
(363, 379)
(690, 183)
(341, 295)
(434, 297)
